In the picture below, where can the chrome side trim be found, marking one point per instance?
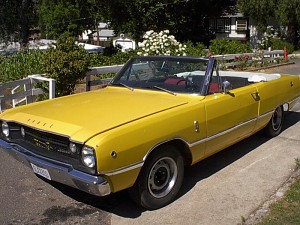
(141, 163)
(221, 133)
(228, 130)
(123, 169)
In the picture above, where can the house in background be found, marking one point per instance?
(237, 27)
(104, 37)
(230, 26)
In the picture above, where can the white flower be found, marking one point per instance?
(160, 44)
(149, 32)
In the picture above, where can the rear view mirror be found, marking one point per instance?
(226, 87)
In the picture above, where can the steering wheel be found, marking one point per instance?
(182, 82)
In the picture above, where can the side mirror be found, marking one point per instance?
(226, 87)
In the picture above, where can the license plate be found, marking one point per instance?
(41, 171)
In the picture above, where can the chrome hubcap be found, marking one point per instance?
(162, 177)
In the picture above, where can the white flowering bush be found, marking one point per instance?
(268, 38)
(161, 43)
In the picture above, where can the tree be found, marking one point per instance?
(260, 10)
(286, 12)
(67, 63)
(58, 17)
(184, 18)
(16, 19)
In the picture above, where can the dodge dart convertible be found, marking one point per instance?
(157, 115)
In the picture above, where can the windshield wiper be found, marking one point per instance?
(165, 90)
(124, 85)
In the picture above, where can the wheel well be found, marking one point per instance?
(178, 144)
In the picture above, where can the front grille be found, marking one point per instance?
(46, 144)
(47, 141)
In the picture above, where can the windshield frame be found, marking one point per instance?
(202, 89)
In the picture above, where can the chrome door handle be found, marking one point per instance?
(255, 95)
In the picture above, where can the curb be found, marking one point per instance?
(264, 209)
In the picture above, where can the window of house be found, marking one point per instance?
(223, 25)
(241, 24)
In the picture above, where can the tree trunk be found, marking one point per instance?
(292, 36)
(24, 20)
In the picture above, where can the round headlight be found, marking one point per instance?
(73, 147)
(5, 129)
(88, 157)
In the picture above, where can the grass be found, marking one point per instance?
(287, 210)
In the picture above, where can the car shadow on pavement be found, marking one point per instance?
(121, 204)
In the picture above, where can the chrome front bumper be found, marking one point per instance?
(59, 171)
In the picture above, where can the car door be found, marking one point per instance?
(230, 117)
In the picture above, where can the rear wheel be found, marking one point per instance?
(274, 126)
(160, 179)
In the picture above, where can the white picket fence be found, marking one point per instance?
(23, 91)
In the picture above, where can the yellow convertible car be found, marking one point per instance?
(158, 115)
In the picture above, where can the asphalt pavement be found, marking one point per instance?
(223, 189)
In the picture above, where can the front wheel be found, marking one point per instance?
(274, 127)
(160, 178)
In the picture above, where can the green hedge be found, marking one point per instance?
(20, 65)
(225, 46)
(278, 44)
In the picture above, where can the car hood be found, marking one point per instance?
(81, 116)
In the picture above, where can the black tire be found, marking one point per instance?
(160, 178)
(274, 127)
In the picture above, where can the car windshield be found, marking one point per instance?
(169, 74)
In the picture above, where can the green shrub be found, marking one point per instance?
(278, 44)
(20, 65)
(226, 46)
(67, 63)
(117, 58)
(197, 49)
